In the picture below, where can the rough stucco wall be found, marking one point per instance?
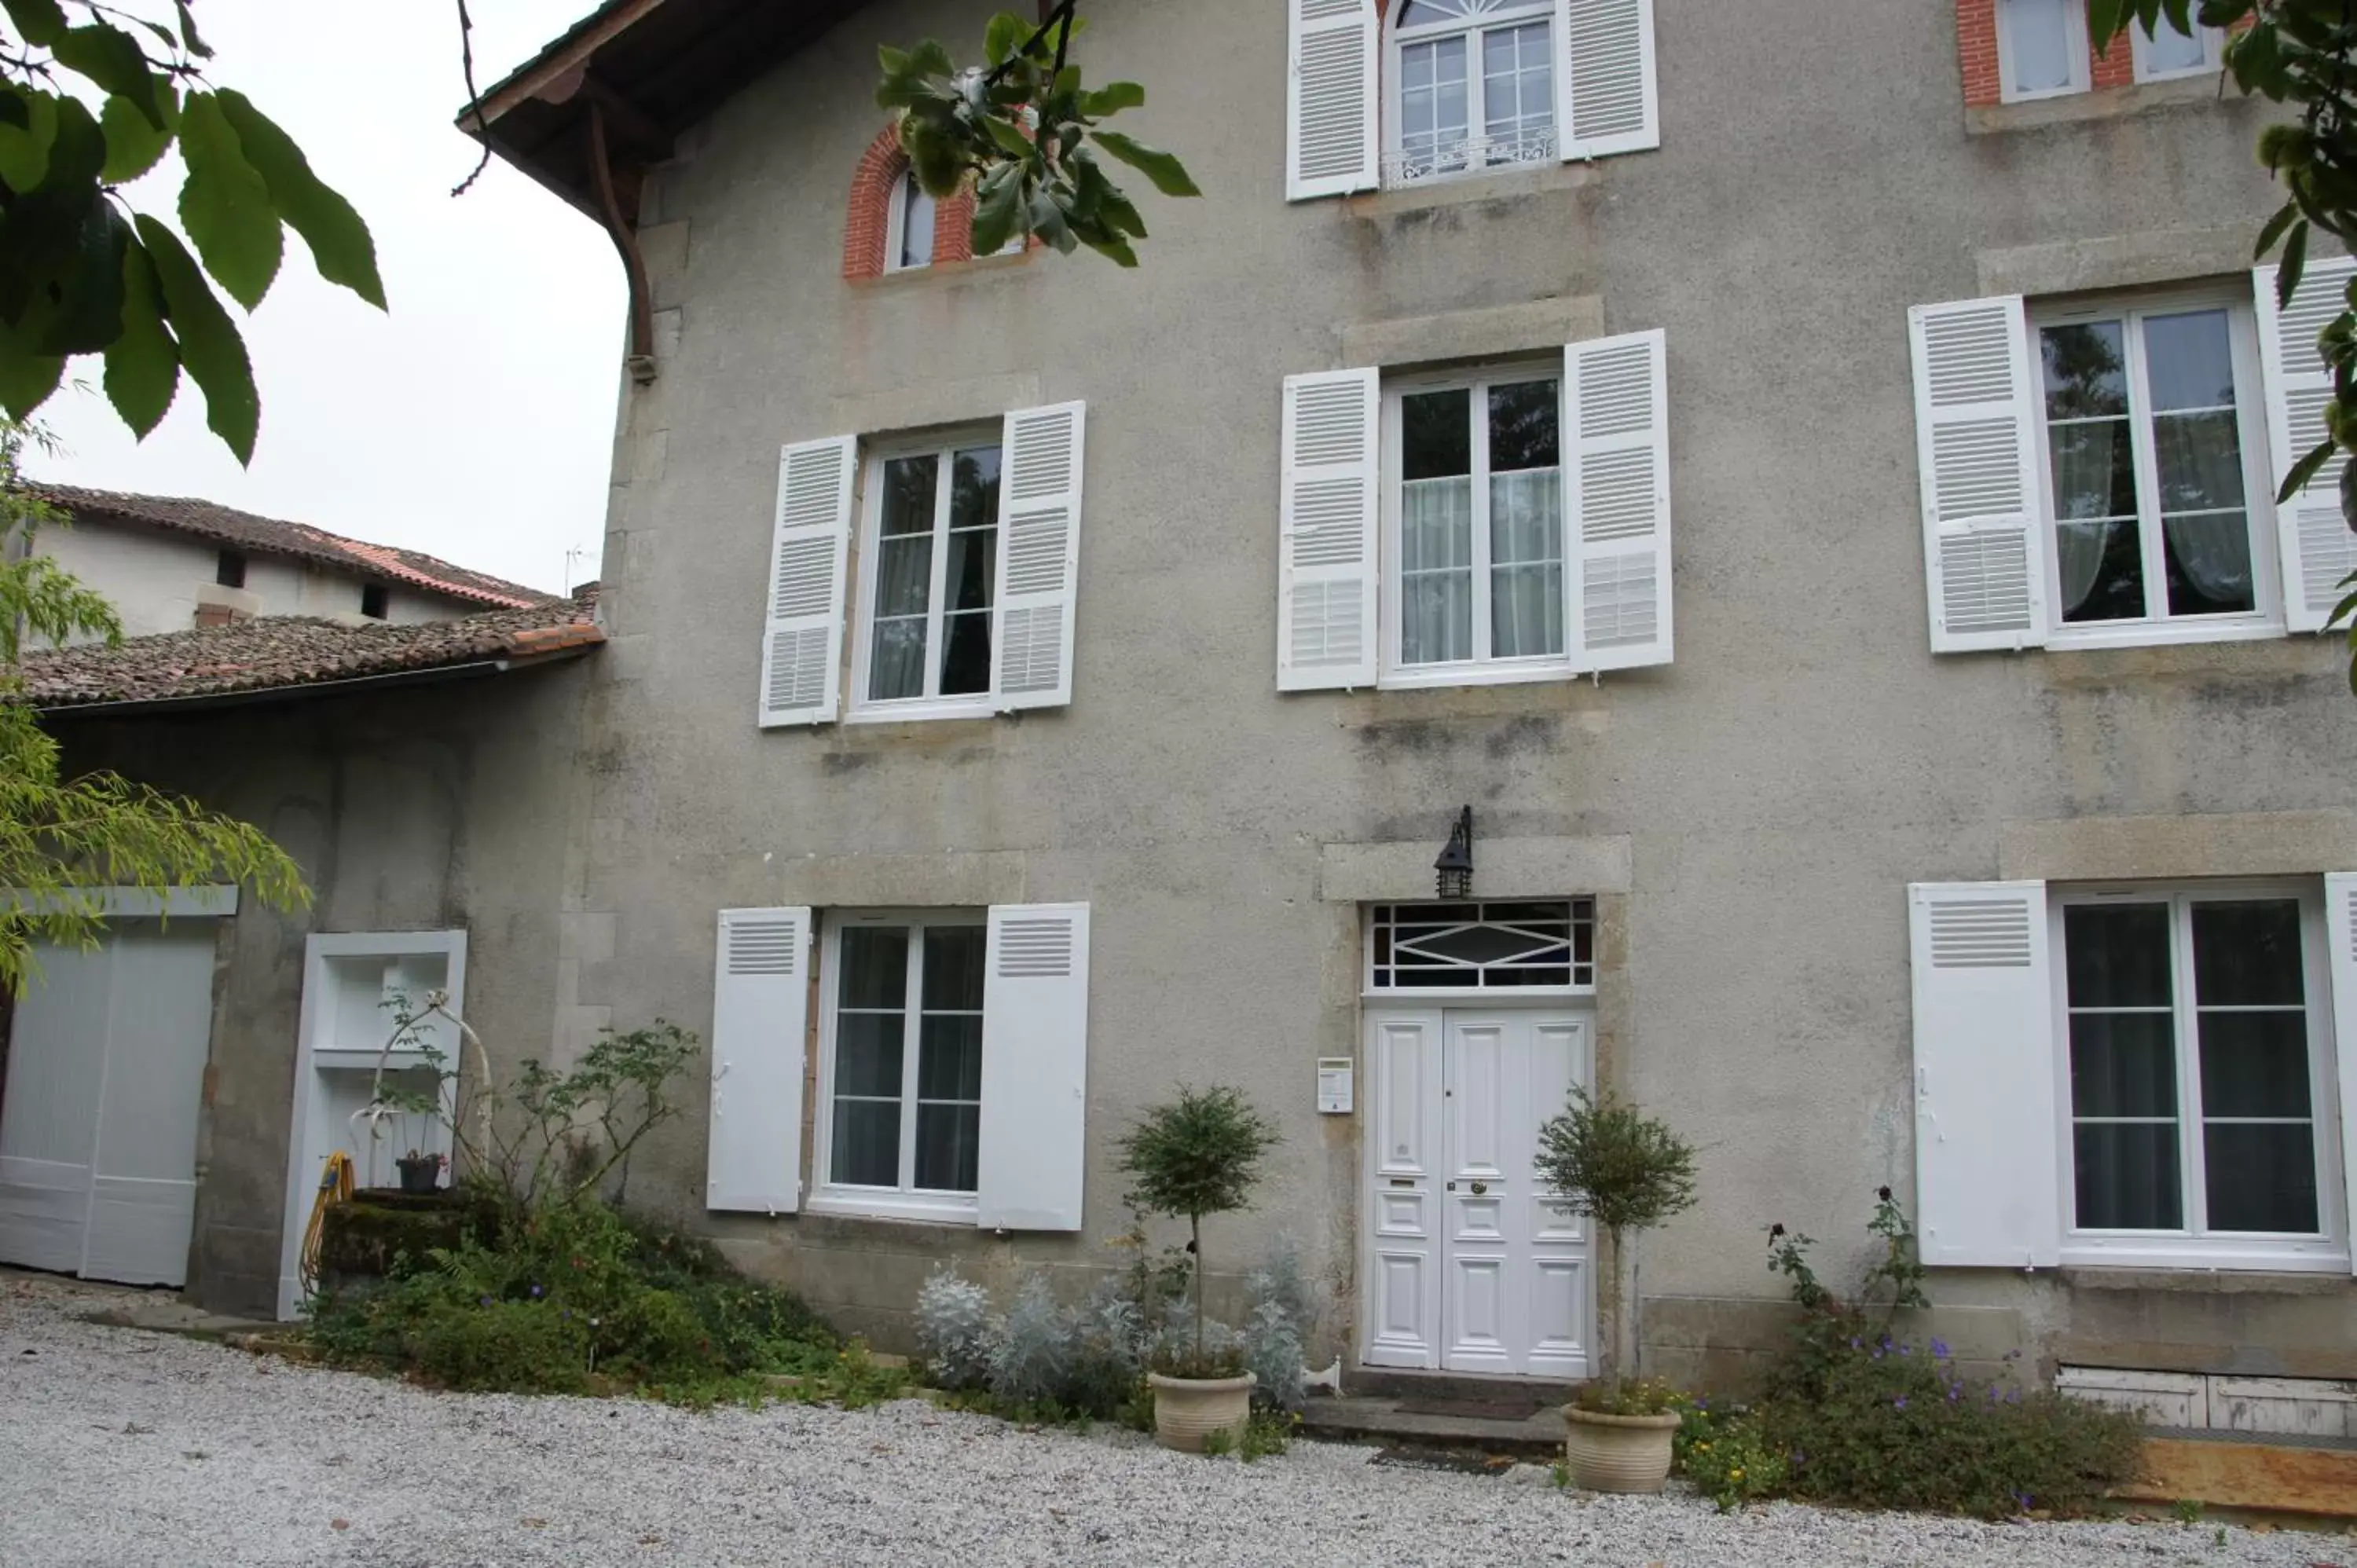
(1803, 758)
(151, 579)
(419, 810)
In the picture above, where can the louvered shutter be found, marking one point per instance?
(1326, 558)
(1038, 556)
(2341, 963)
(1617, 500)
(1035, 1067)
(1605, 99)
(1330, 98)
(2318, 548)
(802, 648)
(760, 1008)
(1987, 1177)
(1976, 447)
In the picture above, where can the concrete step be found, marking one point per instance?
(1353, 1418)
(1391, 1383)
(2269, 1472)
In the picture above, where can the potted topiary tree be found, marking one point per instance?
(1198, 1155)
(1629, 1172)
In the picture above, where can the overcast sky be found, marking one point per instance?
(474, 420)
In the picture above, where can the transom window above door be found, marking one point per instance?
(931, 538)
(2156, 466)
(1475, 86)
(1487, 946)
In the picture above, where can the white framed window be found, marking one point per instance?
(1474, 526)
(2041, 48)
(900, 1069)
(2155, 477)
(2169, 53)
(1494, 945)
(1471, 87)
(908, 226)
(2196, 1076)
(929, 554)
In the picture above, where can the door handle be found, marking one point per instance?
(1480, 1187)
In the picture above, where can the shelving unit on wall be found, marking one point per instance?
(353, 985)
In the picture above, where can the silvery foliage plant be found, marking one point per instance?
(1281, 1312)
(1031, 1348)
(953, 1326)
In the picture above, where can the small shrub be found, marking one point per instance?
(1273, 1355)
(499, 1345)
(1269, 1432)
(1197, 1350)
(953, 1329)
(1199, 1154)
(1030, 1349)
(1637, 1396)
(1727, 1456)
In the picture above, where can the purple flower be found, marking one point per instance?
(1940, 1348)
(1855, 1343)
(1899, 1404)
(535, 1292)
(1952, 1389)
(2013, 1396)
(2024, 1499)
(1701, 1403)
(486, 1301)
(1906, 1349)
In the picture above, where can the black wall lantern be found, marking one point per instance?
(1453, 869)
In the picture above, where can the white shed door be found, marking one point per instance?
(1471, 1268)
(98, 1126)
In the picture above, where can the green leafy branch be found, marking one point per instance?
(2292, 52)
(1025, 132)
(81, 273)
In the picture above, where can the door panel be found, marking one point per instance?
(1504, 1285)
(49, 1117)
(1403, 1247)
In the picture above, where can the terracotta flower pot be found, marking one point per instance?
(1188, 1410)
(1618, 1452)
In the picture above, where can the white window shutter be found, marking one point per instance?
(1605, 97)
(1617, 500)
(1326, 553)
(1035, 1067)
(801, 646)
(1329, 135)
(1987, 1154)
(2340, 962)
(1038, 556)
(2318, 548)
(760, 1012)
(1976, 446)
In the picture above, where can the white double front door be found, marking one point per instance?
(1469, 1267)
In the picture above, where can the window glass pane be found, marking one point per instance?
(965, 653)
(868, 1048)
(1416, 13)
(949, 1147)
(2117, 954)
(948, 1057)
(2123, 1064)
(2209, 564)
(1524, 420)
(908, 505)
(2247, 952)
(2261, 1176)
(916, 224)
(972, 566)
(952, 964)
(866, 1143)
(1433, 105)
(2101, 570)
(1517, 91)
(2094, 469)
(2128, 1176)
(1527, 606)
(896, 662)
(973, 488)
(904, 574)
(1435, 434)
(2085, 369)
(875, 967)
(2169, 50)
(2254, 1064)
(2189, 360)
(1436, 571)
(2037, 43)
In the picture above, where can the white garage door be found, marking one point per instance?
(98, 1120)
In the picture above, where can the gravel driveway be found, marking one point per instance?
(118, 1446)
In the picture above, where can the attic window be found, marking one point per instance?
(372, 600)
(228, 569)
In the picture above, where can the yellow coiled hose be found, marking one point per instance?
(335, 1186)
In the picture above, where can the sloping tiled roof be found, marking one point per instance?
(279, 652)
(269, 536)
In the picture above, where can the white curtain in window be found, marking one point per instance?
(1526, 563)
(2169, 50)
(2214, 551)
(2037, 43)
(2078, 549)
(1437, 568)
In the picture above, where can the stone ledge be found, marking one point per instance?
(925, 404)
(2100, 103)
(1503, 868)
(2106, 849)
(1507, 185)
(2121, 260)
(2218, 1281)
(1495, 330)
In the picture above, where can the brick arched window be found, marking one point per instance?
(2014, 49)
(880, 206)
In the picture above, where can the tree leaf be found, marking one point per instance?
(2104, 20)
(1111, 98)
(1170, 177)
(997, 210)
(225, 206)
(142, 364)
(132, 146)
(25, 149)
(86, 297)
(114, 60)
(339, 243)
(2286, 216)
(210, 348)
(189, 38)
(2303, 471)
(27, 379)
(1010, 137)
(2294, 263)
(42, 22)
(1006, 32)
